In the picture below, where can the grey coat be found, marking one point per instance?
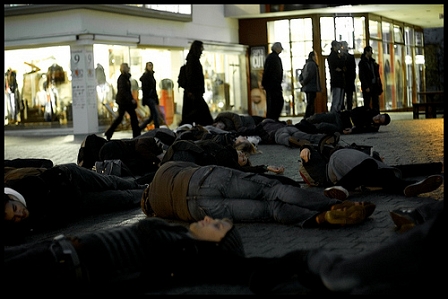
(311, 80)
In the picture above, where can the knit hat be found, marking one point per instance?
(232, 242)
(16, 194)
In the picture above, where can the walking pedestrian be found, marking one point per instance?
(150, 97)
(126, 103)
(194, 108)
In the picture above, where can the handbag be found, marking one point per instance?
(112, 167)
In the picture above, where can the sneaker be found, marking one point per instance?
(297, 143)
(405, 219)
(333, 140)
(353, 215)
(429, 184)
(368, 206)
(337, 192)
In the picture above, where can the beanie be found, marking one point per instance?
(232, 242)
(16, 194)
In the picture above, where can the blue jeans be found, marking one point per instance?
(221, 192)
(337, 95)
(282, 136)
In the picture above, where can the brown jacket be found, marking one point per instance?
(168, 190)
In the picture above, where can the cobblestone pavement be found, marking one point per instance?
(403, 141)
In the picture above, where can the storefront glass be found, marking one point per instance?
(43, 79)
(224, 71)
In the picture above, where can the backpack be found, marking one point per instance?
(182, 78)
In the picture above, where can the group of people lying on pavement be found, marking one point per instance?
(203, 176)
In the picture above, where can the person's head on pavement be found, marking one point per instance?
(381, 119)
(14, 206)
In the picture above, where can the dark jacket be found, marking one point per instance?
(360, 120)
(350, 72)
(124, 93)
(138, 154)
(337, 78)
(195, 77)
(146, 256)
(273, 72)
(265, 130)
(234, 121)
(149, 88)
(208, 152)
(368, 71)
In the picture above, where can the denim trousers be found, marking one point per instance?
(282, 136)
(221, 192)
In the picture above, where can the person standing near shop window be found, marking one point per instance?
(126, 103)
(272, 82)
(194, 108)
(350, 76)
(150, 97)
(369, 75)
(310, 83)
(337, 78)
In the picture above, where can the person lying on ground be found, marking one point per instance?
(145, 256)
(233, 122)
(345, 169)
(355, 121)
(189, 192)
(291, 136)
(208, 152)
(288, 134)
(121, 260)
(36, 200)
(408, 265)
(142, 154)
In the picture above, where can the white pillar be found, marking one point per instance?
(85, 110)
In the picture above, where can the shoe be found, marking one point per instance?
(405, 219)
(297, 143)
(429, 184)
(368, 206)
(337, 192)
(108, 136)
(333, 140)
(328, 139)
(352, 215)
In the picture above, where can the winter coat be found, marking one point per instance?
(149, 88)
(337, 78)
(124, 93)
(350, 72)
(311, 79)
(138, 154)
(234, 121)
(273, 72)
(195, 77)
(368, 71)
